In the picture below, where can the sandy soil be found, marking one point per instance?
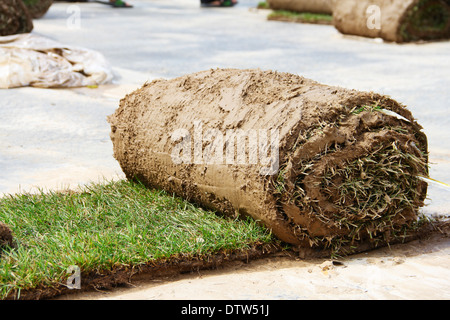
(59, 138)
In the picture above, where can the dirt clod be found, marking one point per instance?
(6, 237)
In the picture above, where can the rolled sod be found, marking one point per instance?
(14, 18)
(322, 167)
(37, 8)
(311, 6)
(394, 20)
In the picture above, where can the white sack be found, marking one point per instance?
(32, 60)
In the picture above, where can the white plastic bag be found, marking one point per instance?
(32, 60)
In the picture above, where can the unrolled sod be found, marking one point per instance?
(321, 166)
(312, 6)
(393, 20)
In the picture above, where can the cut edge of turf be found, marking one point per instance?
(182, 263)
(168, 268)
(173, 267)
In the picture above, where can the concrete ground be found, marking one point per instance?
(57, 138)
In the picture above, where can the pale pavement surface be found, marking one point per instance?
(60, 138)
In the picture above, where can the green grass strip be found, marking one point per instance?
(107, 226)
(263, 5)
(305, 17)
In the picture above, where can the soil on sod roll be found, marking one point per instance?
(311, 6)
(339, 171)
(395, 20)
(37, 8)
(14, 18)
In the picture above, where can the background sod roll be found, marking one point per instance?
(14, 18)
(398, 20)
(348, 172)
(312, 6)
(37, 8)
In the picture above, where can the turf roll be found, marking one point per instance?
(311, 6)
(14, 18)
(323, 167)
(394, 20)
(37, 8)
